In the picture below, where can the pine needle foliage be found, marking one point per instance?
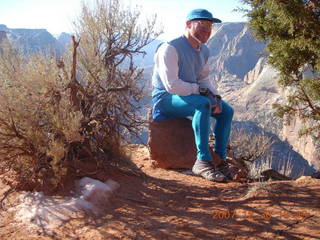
(291, 32)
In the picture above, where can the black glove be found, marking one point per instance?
(215, 100)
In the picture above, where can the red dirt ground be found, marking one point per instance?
(167, 204)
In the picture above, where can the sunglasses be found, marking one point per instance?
(204, 24)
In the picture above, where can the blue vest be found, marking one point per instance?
(190, 63)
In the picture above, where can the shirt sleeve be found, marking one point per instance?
(166, 62)
(204, 79)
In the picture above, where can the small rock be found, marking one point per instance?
(316, 175)
(95, 191)
(271, 174)
(303, 178)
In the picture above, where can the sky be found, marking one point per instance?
(57, 15)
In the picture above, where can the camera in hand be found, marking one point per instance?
(215, 100)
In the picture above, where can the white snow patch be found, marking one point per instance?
(48, 213)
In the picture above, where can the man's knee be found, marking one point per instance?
(197, 101)
(203, 102)
(229, 111)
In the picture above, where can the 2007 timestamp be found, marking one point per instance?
(218, 214)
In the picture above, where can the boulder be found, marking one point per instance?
(171, 143)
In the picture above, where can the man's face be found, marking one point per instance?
(201, 29)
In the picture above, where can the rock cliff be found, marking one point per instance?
(240, 72)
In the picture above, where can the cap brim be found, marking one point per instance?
(216, 20)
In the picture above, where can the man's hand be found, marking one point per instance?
(216, 105)
(215, 100)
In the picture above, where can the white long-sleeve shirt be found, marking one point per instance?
(166, 63)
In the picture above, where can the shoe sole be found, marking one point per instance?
(223, 180)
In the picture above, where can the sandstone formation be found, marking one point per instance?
(304, 145)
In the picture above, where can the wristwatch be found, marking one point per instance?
(204, 91)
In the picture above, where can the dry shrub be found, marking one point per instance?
(58, 118)
(37, 120)
(110, 38)
(247, 147)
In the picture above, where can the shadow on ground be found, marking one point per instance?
(155, 208)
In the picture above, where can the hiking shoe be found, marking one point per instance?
(206, 170)
(224, 168)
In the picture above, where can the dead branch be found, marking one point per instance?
(73, 81)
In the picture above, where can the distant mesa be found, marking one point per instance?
(30, 41)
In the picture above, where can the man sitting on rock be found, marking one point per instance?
(181, 88)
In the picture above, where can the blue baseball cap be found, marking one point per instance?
(202, 14)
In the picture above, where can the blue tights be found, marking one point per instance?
(199, 108)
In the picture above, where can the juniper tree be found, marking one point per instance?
(291, 30)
